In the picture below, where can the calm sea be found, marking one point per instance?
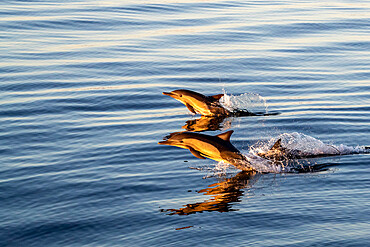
(82, 112)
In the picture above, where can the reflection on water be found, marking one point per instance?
(213, 123)
(230, 190)
(207, 124)
(223, 194)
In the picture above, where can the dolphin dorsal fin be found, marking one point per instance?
(226, 136)
(277, 145)
(217, 96)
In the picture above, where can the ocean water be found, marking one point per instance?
(82, 112)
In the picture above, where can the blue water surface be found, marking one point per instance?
(82, 112)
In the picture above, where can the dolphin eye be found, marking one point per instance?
(180, 95)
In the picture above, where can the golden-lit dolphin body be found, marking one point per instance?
(202, 146)
(199, 103)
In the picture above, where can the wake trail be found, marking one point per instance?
(306, 145)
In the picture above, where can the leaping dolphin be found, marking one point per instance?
(202, 146)
(219, 148)
(199, 103)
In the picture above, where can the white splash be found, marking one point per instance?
(263, 165)
(250, 102)
(295, 141)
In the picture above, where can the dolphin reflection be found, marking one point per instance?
(228, 191)
(212, 123)
(207, 123)
(223, 194)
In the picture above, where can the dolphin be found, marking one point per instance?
(202, 146)
(219, 148)
(199, 103)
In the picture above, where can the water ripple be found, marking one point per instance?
(82, 111)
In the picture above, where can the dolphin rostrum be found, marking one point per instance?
(202, 146)
(199, 103)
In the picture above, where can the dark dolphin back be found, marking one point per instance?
(196, 95)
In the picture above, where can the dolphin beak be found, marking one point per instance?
(163, 143)
(171, 94)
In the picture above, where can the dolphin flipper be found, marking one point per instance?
(190, 108)
(196, 153)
